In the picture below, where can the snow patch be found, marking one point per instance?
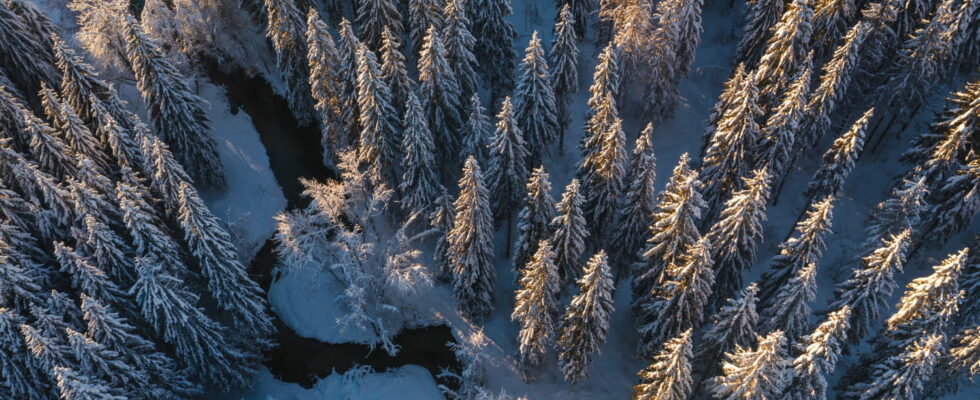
(410, 382)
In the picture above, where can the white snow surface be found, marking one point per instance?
(410, 382)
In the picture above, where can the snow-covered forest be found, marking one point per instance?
(490, 199)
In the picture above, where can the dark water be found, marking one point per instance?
(294, 152)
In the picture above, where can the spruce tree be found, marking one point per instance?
(668, 377)
(830, 23)
(493, 47)
(393, 71)
(460, 45)
(507, 172)
(679, 302)
(121, 135)
(637, 205)
(586, 320)
(790, 307)
(422, 15)
(380, 126)
(535, 306)
(727, 100)
(581, 9)
(733, 325)
(570, 233)
(26, 55)
(937, 153)
(760, 373)
(956, 202)
(673, 229)
(420, 182)
(102, 363)
(476, 132)
(563, 60)
(736, 234)
(374, 17)
(470, 250)
(778, 139)
(50, 152)
(786, 51)
(86, 278)
(899, 212)
(966, 352)
(22, 377)
(534, 220)
(177, 114)
(760, 17)
(818, 354)
(439, 92)
(534, 101)
(603, 179)
(286, 32)
(868, 288)
(839, 160)
(105, 249)
(673, 42)
(20, 287)
(602, 99)
(901, 377)
(635, 38)
(81, 385)
(804, 247)
(145, 227)
(347, 47)
(441, 219)
(325, 83)
(71, 130)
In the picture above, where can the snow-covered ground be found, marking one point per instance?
(410, 382)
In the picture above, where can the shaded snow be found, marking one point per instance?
(410, 382)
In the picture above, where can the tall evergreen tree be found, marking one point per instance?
(727, 100)
(177, 113)
(602, 100)
(105, 249)
(830, 23)
(80, 385)
(145, 228)
(581, 10)
(71, 130)
(441, 219)
(325, 83)
(460, 44)
(534, 101)
(439, 92)
(476, 132)
(603, 179)
(804, 247)
(899, 212)
(937, 153)
(507, 172)
(420, 182)
(778, 138)
(380, 126)
(347, 46)
(957, 201)
(901, 377)
(674, 41)
(668, 377)
(87, 278)
(570, 233)
(760, 17)
(374, 17)
(535, 306)
(839, 160)
(286, 32)
(393, 71)
(563, 60)
(534, 220)
(422, 15)
(760, 373)
(493, 47)
(22, 376)
(470, 250)
(966, 352)
(818, 354)
(790, 308)
(637, 205)
(586, 320)
(785, 52)
(25, 54)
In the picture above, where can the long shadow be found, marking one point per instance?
(294, 152)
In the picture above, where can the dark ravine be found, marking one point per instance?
(294, 152)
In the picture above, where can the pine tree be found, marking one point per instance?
(637, 205)
(730, 153)
(22, 377)
(347, 46)
(35, 184)
(325, 83)
(957, 201)
(228, 281)
(563, 60)
(966, 353)
(145, 228)
(937, 153)
(779, 136)
(790, 307)
(476, 132)
(99, 33)
(669, 375)
(460, 45)
(534, 101)
(374, 17)
(839, 160)
(380, 127)
(830, 23)
(420, 183)
(586, 320)
(673, 229)
(165, 173)
(673, 41)
(901, 377)
(679, 302)
(535, 307)
(635, 38)
(507, 172)
(493, 47)
(727, 100)
(286, 32)
(87, 278)
(121, 135)
(867, 290)
(52, 155)
(393, 71)
(900, 212)
(177, 113)
(470, 250)
(602, 100)
(439, 92)
(102, 363)
(47, 346)
(423, 15)
(534, 220)
(581, 9)
(785, 52)
(71, 130)
(26, 55)
(760, 373)
(760, 17)
(818, 354)
(925, 308)
(570, 233)
(736, 234)
(441, 219)
(603, 179)
(76, 385)
(804, 247)
(19, 286)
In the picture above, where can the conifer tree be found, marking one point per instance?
(46, 345)
(534, 101)
(493, 46)
(602, 100)
(586, 320)
(87, 278)
(901, 377)
(145, 227)
(460, 44)
(675, 39)
(176, 112)
(673, 229)
(51, 154)
(804, 247)
(786, 50)
(535, 307)
(760, 373)
(868, 288)
(668, 377)
(393, 71)
(637, 205)
(420, 183)
(760, 17)
(22, 377)
(476, 132)
(790, 308)
(937, 153)
(966, 352)
(422, 15)
(635, 38)
(957, 201)
(325, 83)
(563, 60)
(470, 245)
(581, 9)
(830, 23)
(105, 249)
(286, 32)
(27, 58)
(818, 354)
(71, 130)
(374, 17)
(380, 127)
(839, 160)
(441, 219)
(99, 33)
(779, 136)
(347, 46)
(507, 173)
(534, 220)
(439, 92)
(122, 134)
(102, 363)
(899, 212)
(35, 184)
(679, 302)
(228, 281)
(570, 233)
(603, 179)
(80, 385)
(729, 155)
(726, 101)
(736, 234)
(19, 286)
